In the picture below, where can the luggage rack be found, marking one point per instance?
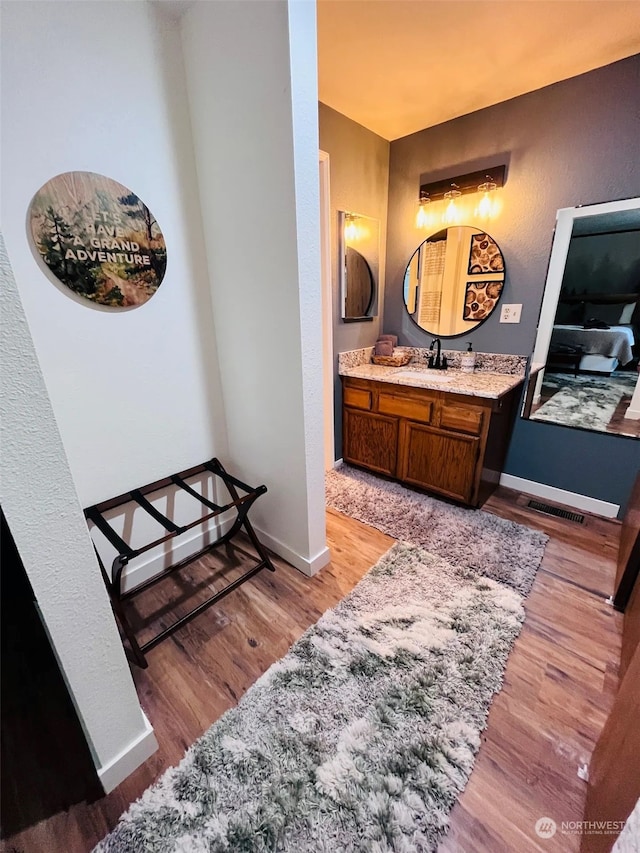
(241, 503)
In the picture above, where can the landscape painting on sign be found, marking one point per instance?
(99, 239)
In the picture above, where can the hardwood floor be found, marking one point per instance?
(619, 424)
(559, 684)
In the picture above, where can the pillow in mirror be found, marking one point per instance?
(627, 313)
(569, 314)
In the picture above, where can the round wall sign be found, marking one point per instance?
(99, 239)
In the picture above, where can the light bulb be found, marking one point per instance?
(424, 217)
(451, 213)
(484, 209)
(351, 229)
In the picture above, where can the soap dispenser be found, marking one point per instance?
(468, 360)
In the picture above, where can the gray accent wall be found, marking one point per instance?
(359, 176)
(574, 143)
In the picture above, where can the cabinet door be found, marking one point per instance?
(438, 460)
(370, 440)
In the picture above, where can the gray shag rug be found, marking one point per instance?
(360, 739)
(629, 839)
(584, 401)
(497, 548)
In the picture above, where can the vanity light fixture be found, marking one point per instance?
(350, 227)
(448, 191)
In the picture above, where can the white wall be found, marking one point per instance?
(100, 87)
(136, 395)
(44, 515)
(251, 70)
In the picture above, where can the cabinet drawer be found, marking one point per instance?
(405, 407)
(357, 398)
(461, 418)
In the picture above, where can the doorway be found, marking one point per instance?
(327, 311)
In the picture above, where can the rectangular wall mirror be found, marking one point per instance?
(584, 371)
(359, 260)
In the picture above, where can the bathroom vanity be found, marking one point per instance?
(443, 431)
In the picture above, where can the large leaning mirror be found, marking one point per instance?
(584, 371)
(359, 258)
(453, 281)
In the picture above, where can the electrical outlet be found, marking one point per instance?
(510, 313)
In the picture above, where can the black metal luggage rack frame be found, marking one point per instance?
(241, 504)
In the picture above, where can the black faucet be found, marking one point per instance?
(439, 362)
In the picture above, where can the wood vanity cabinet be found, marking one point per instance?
(439, 441)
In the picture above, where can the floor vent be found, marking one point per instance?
(554, 510)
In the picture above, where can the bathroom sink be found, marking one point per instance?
(431, 375)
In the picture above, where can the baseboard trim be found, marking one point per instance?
(561, 496)
(307, 565)
(145, 569)
(632, 414)
(338, 463)
(129, 759)
(139, 572)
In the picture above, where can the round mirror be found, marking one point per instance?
(358, 285)
(453, 281)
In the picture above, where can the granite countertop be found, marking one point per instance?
(478, 384)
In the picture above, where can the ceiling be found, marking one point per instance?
(398, 66)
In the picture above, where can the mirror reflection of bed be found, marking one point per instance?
(585, 367)
(591, 373)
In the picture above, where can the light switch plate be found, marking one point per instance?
(510, 313)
